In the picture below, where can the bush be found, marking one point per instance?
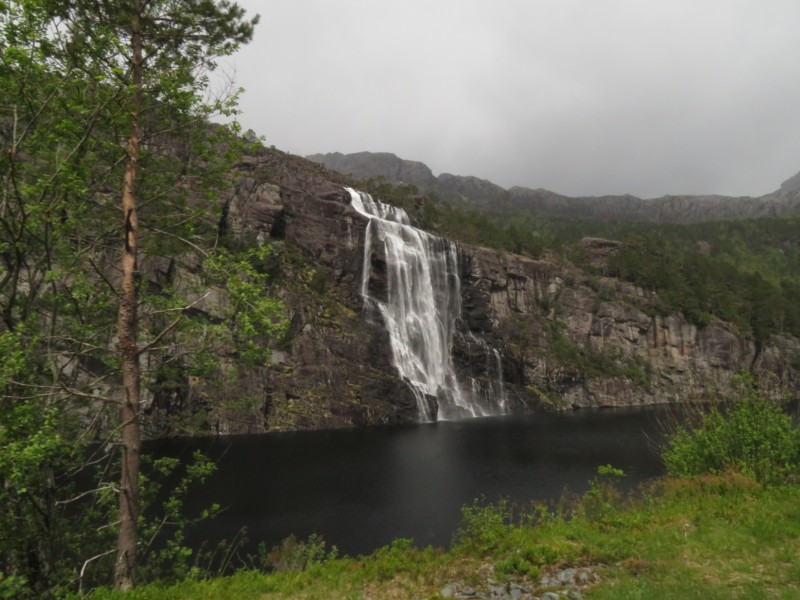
(602, 497)
(398, 557)
(484, 526)
(296, 555)
(517, 565)
(753, 437)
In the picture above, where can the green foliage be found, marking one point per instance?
(12, 586)
(79, 543)
(743, 272)
(397, 558)
(593, 363)
(294, 555)
(484, 526)
(753, 436)
(65, 114)
(517, 565)
(39, 458)
(602, 498)
(164, 521)
(251, 317)
(608, 362)
(712, 537)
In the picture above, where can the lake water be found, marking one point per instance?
(362, 488)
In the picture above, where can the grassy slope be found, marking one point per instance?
(712, 537)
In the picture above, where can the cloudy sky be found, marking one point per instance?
(583, 97)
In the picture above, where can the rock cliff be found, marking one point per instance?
(565, 339)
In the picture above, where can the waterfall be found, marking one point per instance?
(421, 311)
(489, 394)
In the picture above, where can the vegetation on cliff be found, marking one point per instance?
(745, 272)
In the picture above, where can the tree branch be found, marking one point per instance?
(86, 563)
(170, 327)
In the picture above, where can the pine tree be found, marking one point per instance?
(96, 97)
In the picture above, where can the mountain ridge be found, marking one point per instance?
(485, 196)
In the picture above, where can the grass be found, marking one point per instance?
(714, 536)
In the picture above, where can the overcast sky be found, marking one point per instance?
(582, 97)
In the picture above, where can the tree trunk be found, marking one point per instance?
(127, 321)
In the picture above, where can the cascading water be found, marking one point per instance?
(422, 305)
(490, 393)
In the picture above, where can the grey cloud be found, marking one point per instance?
(578, 96)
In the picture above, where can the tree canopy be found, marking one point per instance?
(110, 175)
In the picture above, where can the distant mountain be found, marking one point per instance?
(366, 165)
(791, 185)
(484, 196)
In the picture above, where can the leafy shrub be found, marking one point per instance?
(602, 497)
(483, 525)
(398, 557)
(12, 586)
(297, 555)
(517, 565)
(540, 554)
(753, 436)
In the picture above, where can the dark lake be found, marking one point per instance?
(362, 488)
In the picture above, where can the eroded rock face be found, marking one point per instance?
(565, 339)
(582, 349)
(334, 370)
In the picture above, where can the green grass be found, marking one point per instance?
(715, 536)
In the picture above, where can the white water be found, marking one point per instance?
(420, 313)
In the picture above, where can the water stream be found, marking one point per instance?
(421, 312)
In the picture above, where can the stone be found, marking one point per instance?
(497, 590)
(450, 590)
(566, 577)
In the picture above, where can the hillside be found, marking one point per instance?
(571, 329)
(477, 194)
(541, 321)
(529, 325)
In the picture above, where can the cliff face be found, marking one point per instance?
(565, 339)
(582, 342)
(334, 368)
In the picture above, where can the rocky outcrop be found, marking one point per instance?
(601, 342)
(334, 367)
(564, 339)
(366, 165)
